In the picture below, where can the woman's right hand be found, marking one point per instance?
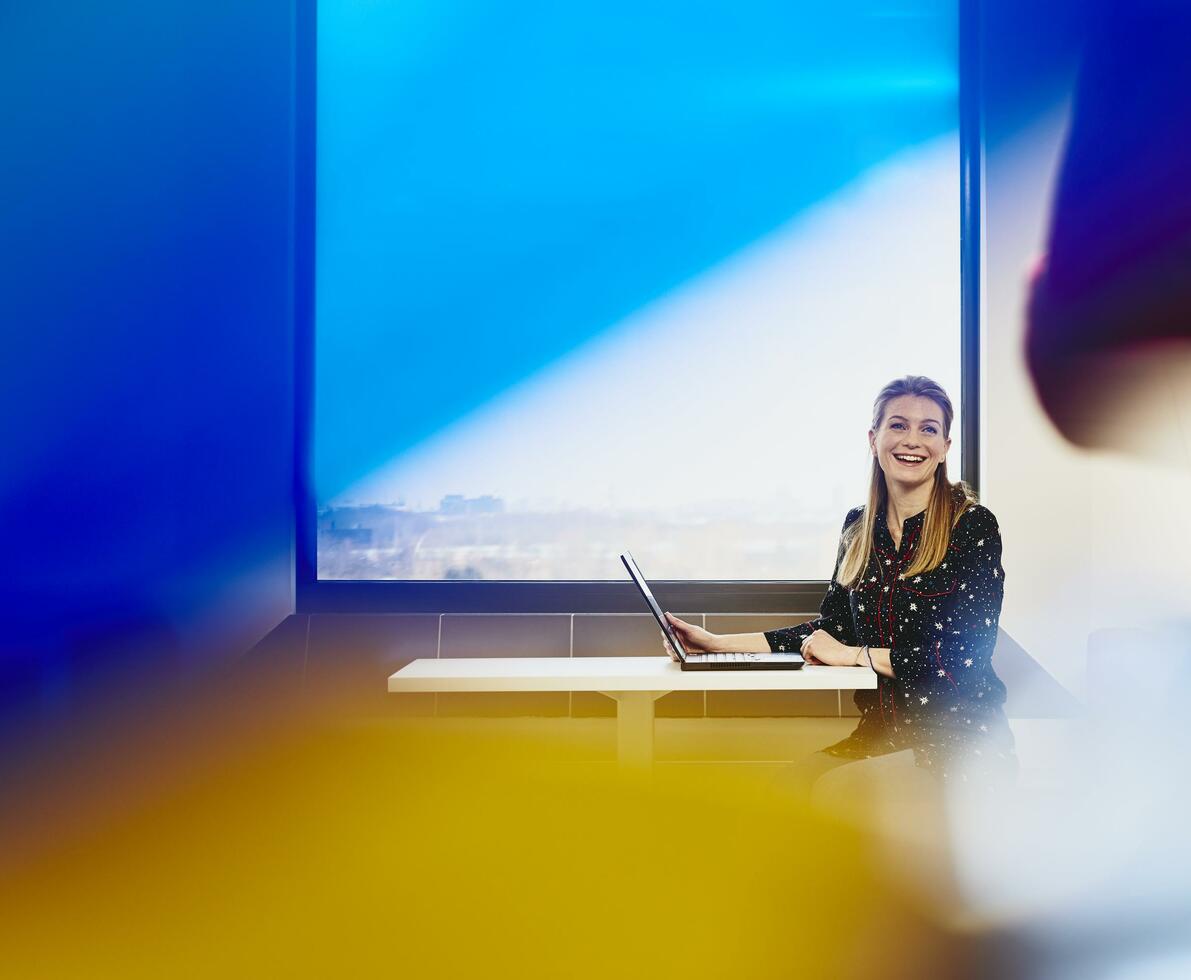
(694, 639)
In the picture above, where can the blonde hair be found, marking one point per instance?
(948, 500)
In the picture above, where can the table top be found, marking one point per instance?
(613, 674)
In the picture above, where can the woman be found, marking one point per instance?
(915, 596)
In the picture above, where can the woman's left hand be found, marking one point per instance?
(823, 648)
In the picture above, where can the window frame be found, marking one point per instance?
(314, 595)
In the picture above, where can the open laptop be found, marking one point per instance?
(708, 661)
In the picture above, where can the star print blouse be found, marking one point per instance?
(940, 628)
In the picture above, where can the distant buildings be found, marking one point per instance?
(455, 504)
(356, 537)
(478, 538)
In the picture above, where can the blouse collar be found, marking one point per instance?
(882, 521)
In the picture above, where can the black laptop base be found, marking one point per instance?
(743, 661)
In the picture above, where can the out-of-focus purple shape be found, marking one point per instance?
(1110, 305)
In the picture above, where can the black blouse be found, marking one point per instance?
(940, 628)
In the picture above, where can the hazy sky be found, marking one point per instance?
(753, 382)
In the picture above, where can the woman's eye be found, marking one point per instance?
(896, 425)
(931, 429)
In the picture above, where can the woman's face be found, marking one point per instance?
(910, 445)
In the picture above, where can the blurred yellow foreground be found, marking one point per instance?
(435, 848)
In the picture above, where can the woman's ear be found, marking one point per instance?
(872, 442)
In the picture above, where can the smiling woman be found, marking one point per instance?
(909, 441)
(916, 597)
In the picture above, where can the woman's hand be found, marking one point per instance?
(823, 648)
(694, 639)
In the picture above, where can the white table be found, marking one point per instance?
(634, 683)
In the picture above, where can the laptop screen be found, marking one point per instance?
(635, 574)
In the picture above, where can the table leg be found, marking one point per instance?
(634, 727)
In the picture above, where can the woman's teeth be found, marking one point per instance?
(911, 460)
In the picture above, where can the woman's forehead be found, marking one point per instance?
(915, 408)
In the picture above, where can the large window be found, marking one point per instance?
(596, 276)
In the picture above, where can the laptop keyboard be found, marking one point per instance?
(737, 658)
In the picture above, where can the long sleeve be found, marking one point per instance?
(951, 657)
(835, 612)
